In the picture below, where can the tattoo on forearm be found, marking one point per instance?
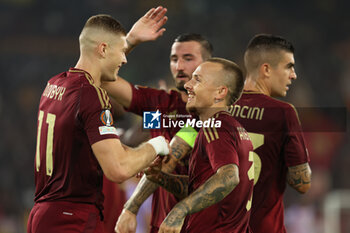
(299, 175)
(179, 149)
(177, 215)
(214, 189)
(143, 190)
(176, 184)
(146, 187)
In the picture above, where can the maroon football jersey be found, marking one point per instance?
(278, 142)
(73, 115)
(149, 99)
(214, 148)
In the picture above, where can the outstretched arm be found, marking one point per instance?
(216, 188)
(120, 163)
(127, 219)
(179, 149)
(147, 28)
(299, 177)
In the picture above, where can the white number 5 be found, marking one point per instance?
(254, 171)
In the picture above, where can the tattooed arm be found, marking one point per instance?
(176, 184)
(299, 177)
(216, 188)
(145, 188)
(127, 219)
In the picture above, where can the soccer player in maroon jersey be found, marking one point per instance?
(187, 52)
(217, 193)
(280, 154)
(115, 196)
(76, 139)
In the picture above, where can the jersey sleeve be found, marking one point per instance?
(295, 151)
(146, 99)
(221, 146)
(95, 114)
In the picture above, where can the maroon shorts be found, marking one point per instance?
(61, 216)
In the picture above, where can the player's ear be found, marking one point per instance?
(265, 69)
(101, 49)
(222, 92)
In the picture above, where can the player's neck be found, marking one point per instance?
(257, 86)
(209, 112)
(91, 68)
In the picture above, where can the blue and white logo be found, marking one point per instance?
(151, 120)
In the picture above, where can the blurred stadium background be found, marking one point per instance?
(39, 38)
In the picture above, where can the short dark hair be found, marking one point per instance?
(105, 22)
(234, 78)
(268, 41)
(207, 47)
(262, 44)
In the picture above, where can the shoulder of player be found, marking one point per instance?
(288, 110)
(74, 72)
(231, 125)
(224, 116)
(287, 107)
(270, 101)
(228, 124)
(227, 121)
(65, 73)
(91, 92)
(281, 103)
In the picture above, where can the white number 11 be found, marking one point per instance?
(50, 120)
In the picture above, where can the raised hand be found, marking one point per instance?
(148, 27)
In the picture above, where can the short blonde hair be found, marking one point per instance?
(106, 23)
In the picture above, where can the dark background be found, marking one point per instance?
(39, 38)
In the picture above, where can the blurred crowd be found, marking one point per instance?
(39, 38)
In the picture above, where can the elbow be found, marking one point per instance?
(234, 182)
(299, 178)
(229, 174)
(117, 176)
